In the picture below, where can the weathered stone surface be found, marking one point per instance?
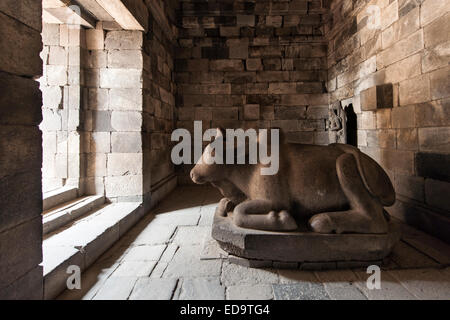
(20, 45)
(153, 289)
(426, 284)
(339, 285)
(390, 288)
(22, 104)
(116, 288)
(189, 255)
(25, 238)
(300, 291)
(202, 289)
(433, 165)
(125, 40)
(250, 292)
(377, 97)
(233, 274)
(265, 245)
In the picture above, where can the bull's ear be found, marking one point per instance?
(220, 132)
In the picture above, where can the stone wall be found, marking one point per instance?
(253, 64)
(112, 116)
(404, 43)
(159, 101)
(20, 150)
(128, 112)
(61, 88)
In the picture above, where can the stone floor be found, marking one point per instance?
(170, 255)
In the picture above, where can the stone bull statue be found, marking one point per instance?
(334, 189)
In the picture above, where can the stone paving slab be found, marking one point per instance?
(233, 274)
(116, 288)
(424, 283)
(153, 289)
(188, 236)
(211, 249)
(339, 285)
(406, 256)
(300, 291)
(144, 253)
(250, 292)
(134, 269)
(391, 289)
(187, 263)
(202, 289)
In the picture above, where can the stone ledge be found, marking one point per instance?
(84, 242)
(307, 249)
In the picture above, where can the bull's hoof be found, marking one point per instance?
(286, 222)
(321, 223)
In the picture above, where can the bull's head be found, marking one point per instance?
(205, 170)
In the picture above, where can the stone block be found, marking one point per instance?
(226, 65)
(435, 113)
(57, 75)
(153, 289)
(245, 20)
(26, 239)
(439, 83)
(273, 246)
(403, 117)
(95, 59)
(254, 64)
(58, 56)
(125, 99)
(251, 112)
(410, 186)
(20, 47)
(120, 78)
(433, 165)
(122, 164)
(434, 139)
(437, 31)
(377, 97)
(188, 255)
(399, 30)
(202, 289)
(238, 52)
(127, 40)
(126, 142)
(28, 287)
(436, 57)
(230, 31)
(401, 49)
(125, 59)
(300, 291)
(415, 90)
(22, 103)
(126, 121)
(50, 34)
(432, 9)
(405, 69)
(250, 292)
(100, 142)
(95, 39)
(407, 139)
(124, 186)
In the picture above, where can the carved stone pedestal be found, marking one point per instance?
(302, 249)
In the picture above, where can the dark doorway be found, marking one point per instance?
(352, 136)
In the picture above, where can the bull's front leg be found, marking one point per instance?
(225, 205)
(260, 215)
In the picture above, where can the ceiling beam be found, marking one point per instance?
(68, 12)
(129, 14)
